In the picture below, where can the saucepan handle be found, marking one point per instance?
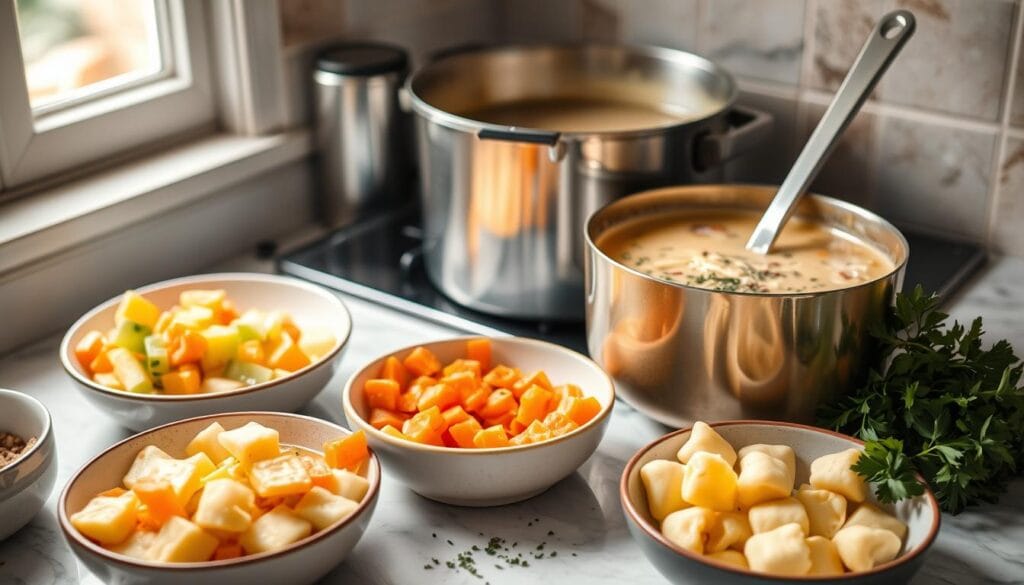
(747, 127)
(553, 140)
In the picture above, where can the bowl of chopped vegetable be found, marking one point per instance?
(207, 344)
(249, 497)
(755, 502)
(28, 459)
(481, 422)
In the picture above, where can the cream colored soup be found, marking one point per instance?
(574, 115)
(706, 250)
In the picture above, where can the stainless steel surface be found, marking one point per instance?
(362, 138)
(681, 354)
(504, 207)
(881, 47)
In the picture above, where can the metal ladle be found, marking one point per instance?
(882, 46)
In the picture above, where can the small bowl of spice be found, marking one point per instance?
(28, 460)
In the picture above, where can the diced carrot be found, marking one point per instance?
(89, 347)
(289, 327)
(479, 350)
(538, 378)
(515, 427)
(112, 492)
(422, 362)
(347, 452)
(382, 393)
(465, 383)
(534, 404)
(461, 365)
(425, 426)
(394, 370)
(101, 363)
(464, 432)
(493, 436)
(380, 418)
(408, 400)
(229, 550)
(475, 401)
(390, 430)
(503, 377)
(447, 440)
(317, 469)
(504, 420)
(184, 380)
(187, 347)
(499, 403)
(580, 410)
(159, 498)
(252, 351)
(454, 415)
(440, 395)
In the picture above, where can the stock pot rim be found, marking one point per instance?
(678, 57)
(856, 210)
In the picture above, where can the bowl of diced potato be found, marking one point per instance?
(474, 421)
(207, 344)
(253, 497)
(754, 502)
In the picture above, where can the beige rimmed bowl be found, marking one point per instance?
(26, 483)
(306, 303)
(921, 514)
(489, 477)
(302, 562)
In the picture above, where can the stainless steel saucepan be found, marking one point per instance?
(504, 206)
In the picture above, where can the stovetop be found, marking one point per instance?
(379, 259)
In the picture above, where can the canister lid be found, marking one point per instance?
(363, 59)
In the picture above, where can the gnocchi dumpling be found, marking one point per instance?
(704, 438)
(731, 530)
(710, 482)
(832, 472)
(732, 557)
(768, 516)
(762, 478)
(783, 453)
(869, 515)
(826, 510)
(824, 557)
(862, 548)
(688, 528)
(782, 551)
(663, 483)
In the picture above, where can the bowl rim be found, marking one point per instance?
(69, 367)
(605, 412)
(44, 436)
(654, 534)
(72, 535)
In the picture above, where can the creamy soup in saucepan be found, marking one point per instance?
(706, 250)
(575, 115)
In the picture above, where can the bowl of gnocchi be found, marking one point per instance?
(744, 502)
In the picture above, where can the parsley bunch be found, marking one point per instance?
(938, 404)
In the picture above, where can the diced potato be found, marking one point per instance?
(710, 482)
(316, 341)
(221, 345)
(730, 530)
(136, 546)
(663, 482)
(108, 380)
(862, 547)
(275, 530)
(250, 443)
(768, 516)
(129, 371)
(782, 551)
(184, 475)
(216, 384)
(225, 505)
(832, 472)
(281, 476)
(732, 557)
(135, 307)
(869, 515)
(688, 528)
(826, 510)
(321, 508)
(825, 559)
(762, 478)
(144, 464)
(783, 453)
(348, 485)
(206, 442)
(704, 438)
(193, 318)
(286, 354)
(181, 541)
(108, 520)
(211, 299)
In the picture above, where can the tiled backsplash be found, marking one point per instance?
(940, 145)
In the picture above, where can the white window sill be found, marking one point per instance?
(43, 224)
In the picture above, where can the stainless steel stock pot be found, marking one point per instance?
(680, 354)
(504, 206)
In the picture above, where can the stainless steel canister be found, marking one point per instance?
(681, 354)
(362, 134)
(504, 206)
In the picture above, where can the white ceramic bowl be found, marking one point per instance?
(302, 562)
(921, 514)
(489, 477)
(26, 484)
(306, 303)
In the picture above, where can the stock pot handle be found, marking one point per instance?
(747, 128)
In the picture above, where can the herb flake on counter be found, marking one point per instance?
(939, 404)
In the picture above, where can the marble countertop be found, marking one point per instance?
(580, 517)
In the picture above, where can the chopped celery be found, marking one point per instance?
(131, 336)
(157, 360)
(248, 373)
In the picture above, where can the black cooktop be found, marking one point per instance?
(379, 259)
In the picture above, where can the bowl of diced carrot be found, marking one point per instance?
(481, 421)
(207, 344)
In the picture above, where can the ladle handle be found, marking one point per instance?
(885, 42)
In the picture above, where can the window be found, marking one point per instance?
(85, 81)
